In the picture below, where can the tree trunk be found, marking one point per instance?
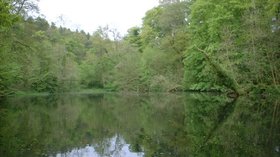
(227, 79)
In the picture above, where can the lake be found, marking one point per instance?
(132, 125)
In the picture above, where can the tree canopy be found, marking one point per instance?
(201, 45)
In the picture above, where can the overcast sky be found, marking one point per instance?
(89, 14)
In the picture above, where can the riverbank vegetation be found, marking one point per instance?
(199, 45)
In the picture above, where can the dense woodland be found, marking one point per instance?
(200, 45)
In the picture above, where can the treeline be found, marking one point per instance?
(202, 45)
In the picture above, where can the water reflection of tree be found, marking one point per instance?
(244, 131)
(111, 146)
(158, 125)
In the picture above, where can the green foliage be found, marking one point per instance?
(134, 38)
(202, 45)
(47, 83)
(6, 18)
(227, 47)
(127, 72)
(164, 27)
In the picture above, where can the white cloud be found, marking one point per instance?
(89, 14)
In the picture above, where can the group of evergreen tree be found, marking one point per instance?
(202, 45)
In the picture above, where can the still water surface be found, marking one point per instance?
(128, 125)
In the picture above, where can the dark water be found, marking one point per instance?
(157, 125)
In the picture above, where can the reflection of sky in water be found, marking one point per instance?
(117, 148)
